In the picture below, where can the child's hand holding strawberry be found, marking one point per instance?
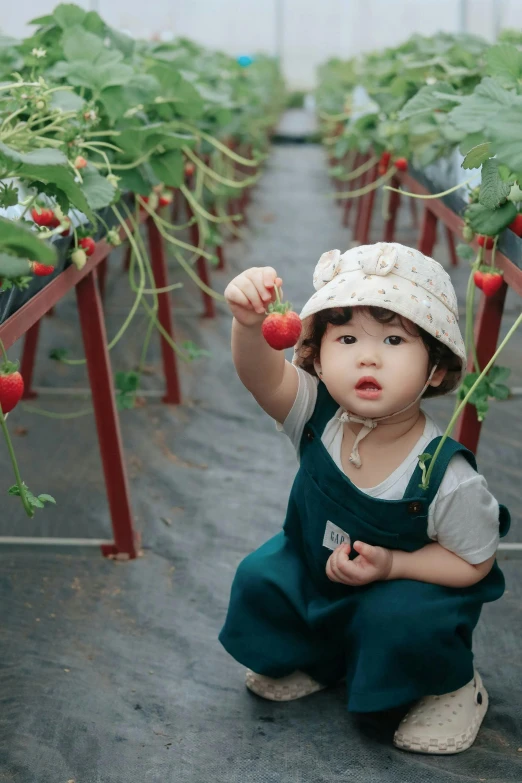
(372, 564)
(249, 294)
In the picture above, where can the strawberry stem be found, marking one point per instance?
(20, 484)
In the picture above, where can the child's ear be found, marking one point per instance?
(317, 368)
(438, 376)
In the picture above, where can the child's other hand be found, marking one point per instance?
(249, 294)
(372, 564)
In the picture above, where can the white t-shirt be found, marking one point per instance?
(463, 516)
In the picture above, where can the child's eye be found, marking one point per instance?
(394, 339)
(347, 339)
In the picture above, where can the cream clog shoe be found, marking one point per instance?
(444, 724)
(295, 686)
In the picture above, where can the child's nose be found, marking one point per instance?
(369, 359)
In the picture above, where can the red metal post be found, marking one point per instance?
(208, 303)
(428, 235)
(487, 329)
(361, 205)
(451, 246)
(127, 259)
(159, 269)
(393, 208)
(126, 539)
(367, 211)
(349, 201)
(27, 361)
(102, 276)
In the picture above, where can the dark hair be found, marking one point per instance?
(438, 353)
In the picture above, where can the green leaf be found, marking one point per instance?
(169, 168)
(504, 61)
(11, 266)
(47, 165)
(428, 98)
(42, 20)
(58, 354)
(488, 100)
(490, 221)
(504, 131)
(499, 374)
(193, 351)
(78, 44)
(493, 191)
(17, 240)
(67, 15)
(8, 195)
(66, 100)
(499, 391)
(477, 156)
(46, 498)
(98, 192)
(465, 252)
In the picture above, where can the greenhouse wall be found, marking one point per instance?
(304, 32)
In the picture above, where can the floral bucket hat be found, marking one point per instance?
(392, 276)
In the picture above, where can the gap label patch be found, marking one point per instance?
(334, 536)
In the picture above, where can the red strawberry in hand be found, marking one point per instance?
(486, 242)
(491, 282)
(11, 386)
(88, 244)
(282, 327)
(41, 270)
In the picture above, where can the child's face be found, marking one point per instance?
(393, 362)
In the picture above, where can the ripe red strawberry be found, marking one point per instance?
(189, 169)
(516, 225)
(478, 279)
(165, 199)
(486, 242)
(80, 162)
(11, 386)
(491, 282)
(88, 244)
(42, 216)
(282, 327)
(401, 164)
(41, 270)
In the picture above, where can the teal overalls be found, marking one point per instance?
(394, 641)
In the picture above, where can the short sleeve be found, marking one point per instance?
(302, 409)
(464, 514)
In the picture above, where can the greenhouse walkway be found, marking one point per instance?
(112, 673)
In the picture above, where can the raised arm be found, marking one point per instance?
(263, 371)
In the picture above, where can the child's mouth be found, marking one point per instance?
(368, 388)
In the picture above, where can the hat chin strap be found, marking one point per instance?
(370, 424)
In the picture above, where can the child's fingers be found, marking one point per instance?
(250, 290)
(234, 295)
(367, 551)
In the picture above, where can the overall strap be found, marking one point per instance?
(449, 449)
(325, 409)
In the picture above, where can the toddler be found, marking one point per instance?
(372, 579)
